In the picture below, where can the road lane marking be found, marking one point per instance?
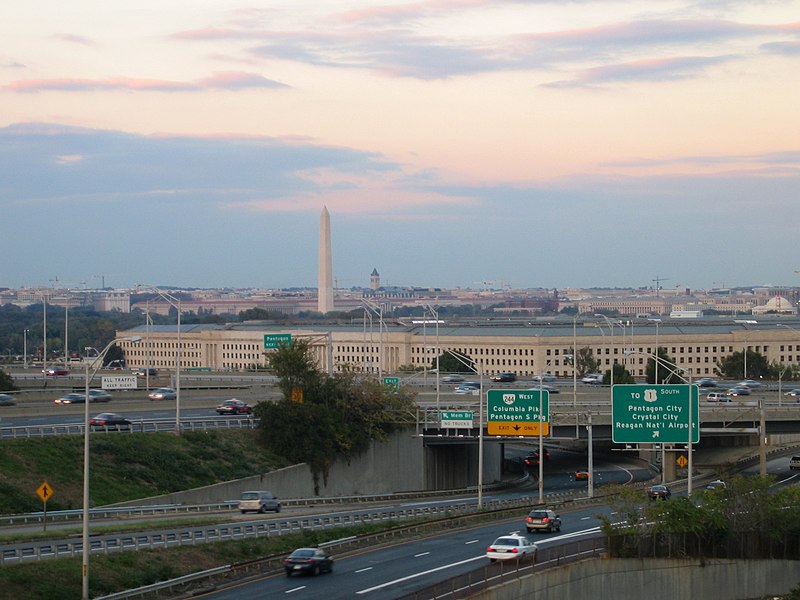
(293, 590)
(362, 570)
(421, 554)
(471, 542)
(420, 574)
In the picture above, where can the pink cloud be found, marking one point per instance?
(228, 80)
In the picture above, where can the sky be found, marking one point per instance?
(455, 143)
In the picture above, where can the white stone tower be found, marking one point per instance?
(325, 280)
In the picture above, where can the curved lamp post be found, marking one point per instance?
(176, 304)
(98, 361)
(675, 368)
(479, 372)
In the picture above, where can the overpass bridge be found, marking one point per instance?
(722, 424)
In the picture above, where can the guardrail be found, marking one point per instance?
(111, 512)
(546, 557)
(137, 426)
(45, 549)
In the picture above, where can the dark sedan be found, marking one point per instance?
(7, 400)
(110, 421)
(659, 492)
(55, 371)
(234, 407)
(308, 560)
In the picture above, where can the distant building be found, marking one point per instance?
(374, 280)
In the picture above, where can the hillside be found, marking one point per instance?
(124, 466)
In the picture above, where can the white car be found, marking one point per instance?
(593, 379)
(750, 383)
(544, 377)
(511, 547)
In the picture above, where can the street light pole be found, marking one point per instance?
(175, 303)
(479, 372)
(611, 328)
(541, 439)
(25, 348)
(85, 533)
(690, 442)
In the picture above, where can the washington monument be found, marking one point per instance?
(325, 280)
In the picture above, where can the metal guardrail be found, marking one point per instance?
(547, 557)
(46, 549)
(111, 512)
(137, 426)
(467, 584)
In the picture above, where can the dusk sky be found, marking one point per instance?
(524, 143)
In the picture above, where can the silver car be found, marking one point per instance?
(259, 501)
(511, 547)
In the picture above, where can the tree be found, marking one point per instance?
(6, 382)
(321, 416)
(450, 364)
(587, 363)
(758, 367)
(621, 375)
(667, 373)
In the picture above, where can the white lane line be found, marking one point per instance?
(471, 542)
(420, 574)
(362, 570)
(421, 554)
(585, 518)
(293, 590)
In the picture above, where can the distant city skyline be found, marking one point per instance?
(538, 144)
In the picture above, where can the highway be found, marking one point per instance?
(404, 567)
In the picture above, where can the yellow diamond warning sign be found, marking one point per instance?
(44, 491)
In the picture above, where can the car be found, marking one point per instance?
(542, 519)
(73, 398)
(717, 397)
(234, 407)
(452, 379)
(99, 396)
(593, 379)
(533, 458)
(795, 393)
(581, 475)
(794, 463)
(659, 492)
(511, 547)
(55, 371)
(468, 387)
(739, 391)
(144, 372)
(750, 383)
(717, 484)
(544, 377)
(551, 389)
(308, 561)
(505, 377)
(259, 501)
(110, 421)
(7, 400)
(163, 393)
(707, 382)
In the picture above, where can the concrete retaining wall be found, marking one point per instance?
(634, 579)
(401, 464)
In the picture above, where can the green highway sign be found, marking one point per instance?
(392, 383)
(276, 340)
(654, 414)
(516, 412)
(461, 419)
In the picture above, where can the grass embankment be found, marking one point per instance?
(123, 467)
(61, 578)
